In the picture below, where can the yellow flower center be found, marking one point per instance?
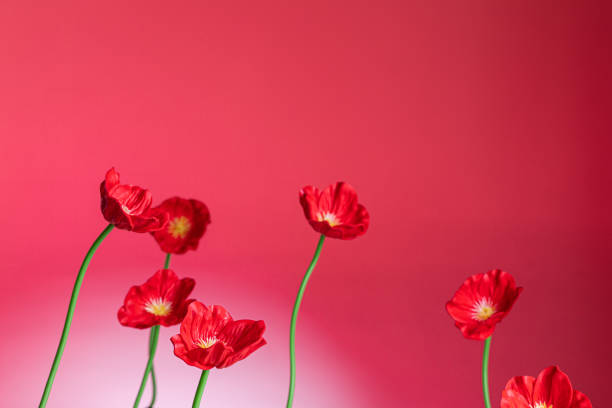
(178, 227)
(483, 309)
(540, 405)
(158, 307)
(206, 342)
(330, 218)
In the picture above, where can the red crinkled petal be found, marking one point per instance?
(151, 220)
(202, 358)
(242, 354)
(176, 291)
(339, 199)
(235, 340)
(134, 200)
(460, 306)
(128, 207)
(207, 358)
(180, 347)
(244, 337)
(511, 399)
(504, 291)
(518, 393)
(496, 285)
(553, 387)
(111, 179)
(477, 331)
(112, 211)
(580, 400)
(133, 313)
(201, 322)
(309, 199)
(164, 284)
(241, 333)
(199, 217)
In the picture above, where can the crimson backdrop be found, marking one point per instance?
(474, 131)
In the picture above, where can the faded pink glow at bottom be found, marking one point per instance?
(104, 361)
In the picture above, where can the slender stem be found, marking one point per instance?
(154, 392)
(294, 316)
(198, 395)
(71, 307)
(153, 381)
(143, 383)
(485, 372)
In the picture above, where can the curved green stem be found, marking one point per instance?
(485, 372)
(294, 315)
(154, 391)
(143, 383)
(153, 381)
(198, 395)
(71, 307)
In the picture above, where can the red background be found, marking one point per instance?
(475, 133)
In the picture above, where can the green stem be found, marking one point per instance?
(485, 372)
(294, 316)
(71, 307)
(198, 395)
(153, 379)
(154, 392)
(143, 383)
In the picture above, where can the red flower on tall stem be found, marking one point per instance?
(161, 300)
(129, 207)
(552, 389)
(481, 302)
(186, 225)
(335, 212)
(209, 337)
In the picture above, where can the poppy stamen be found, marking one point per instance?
(483, 309)
(179, 227)
(158, 307)
(206, 342)
(328, 217)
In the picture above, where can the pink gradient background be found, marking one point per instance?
(477, 134)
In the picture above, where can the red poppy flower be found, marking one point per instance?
(335, 211)
(186, 225)
(129, 207)
(481, 302)
(210, 338)
(160, 300)
(552, 389)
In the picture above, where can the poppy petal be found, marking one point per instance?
(553, 387)
(580, 400)
(161, 300)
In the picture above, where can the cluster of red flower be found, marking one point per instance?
(208, 336)
(481, 302)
